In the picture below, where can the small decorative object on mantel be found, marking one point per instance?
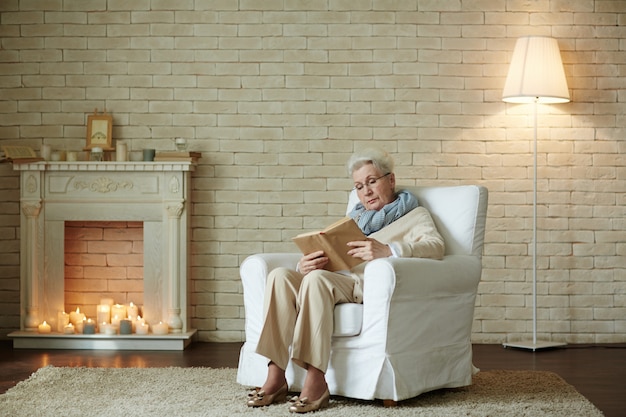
(19, 154)
(121, 151)
(181, 144)
(97, 154)
(99, 131)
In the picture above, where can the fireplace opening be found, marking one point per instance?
(103, 260)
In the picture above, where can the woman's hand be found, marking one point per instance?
(312, 261)
(369, 249)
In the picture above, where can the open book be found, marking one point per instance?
(19, 154)
(333, 241)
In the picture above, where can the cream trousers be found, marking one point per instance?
(298, 313)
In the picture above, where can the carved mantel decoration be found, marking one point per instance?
(103, 185)
(156, 193)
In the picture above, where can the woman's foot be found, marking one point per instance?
(273, 390)
(304, 405)
(259, 398)
(314, 395)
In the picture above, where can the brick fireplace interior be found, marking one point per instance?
(103, 259)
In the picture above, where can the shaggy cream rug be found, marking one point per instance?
(188, 392)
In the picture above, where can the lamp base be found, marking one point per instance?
(530, 345)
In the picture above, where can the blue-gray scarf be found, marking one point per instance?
(371, 221)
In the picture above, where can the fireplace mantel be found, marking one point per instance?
(156, 193)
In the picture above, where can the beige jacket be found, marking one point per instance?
(414, 235)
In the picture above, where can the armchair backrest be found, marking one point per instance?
(459, 212)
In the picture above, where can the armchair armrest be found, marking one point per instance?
(425, 277)
(260, 264)
(253, 271)
(425, 302)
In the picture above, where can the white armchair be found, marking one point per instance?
(412, 332)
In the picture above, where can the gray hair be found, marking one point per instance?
(375, 156)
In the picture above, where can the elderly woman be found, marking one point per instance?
(299, 304)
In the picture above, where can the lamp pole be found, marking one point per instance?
(534, 246)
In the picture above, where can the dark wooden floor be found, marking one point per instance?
(598, 372)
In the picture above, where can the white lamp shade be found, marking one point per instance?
(536, 73)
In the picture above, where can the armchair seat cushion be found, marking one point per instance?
(348, 319)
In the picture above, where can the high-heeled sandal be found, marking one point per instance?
(258, 397)
(303, 405)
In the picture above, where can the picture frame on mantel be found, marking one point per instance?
(99, 131)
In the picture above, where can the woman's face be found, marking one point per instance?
(374, 188)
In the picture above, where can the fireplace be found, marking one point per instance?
(156, 194)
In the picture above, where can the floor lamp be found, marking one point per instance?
(535, 76)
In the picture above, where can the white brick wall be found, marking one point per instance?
(277, 94)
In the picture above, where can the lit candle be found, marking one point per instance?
(136, 322)
(76, 316)
(63, 320)
(118, 310)
(89, 327)
(44, 327)
(102, 327)
(115, 320)
(160, 328)
(79, 326)
(108, 329)
(142, 328)
(132, 311)
(68, 329)
(103, 313)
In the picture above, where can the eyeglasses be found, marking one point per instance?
(370, 182)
